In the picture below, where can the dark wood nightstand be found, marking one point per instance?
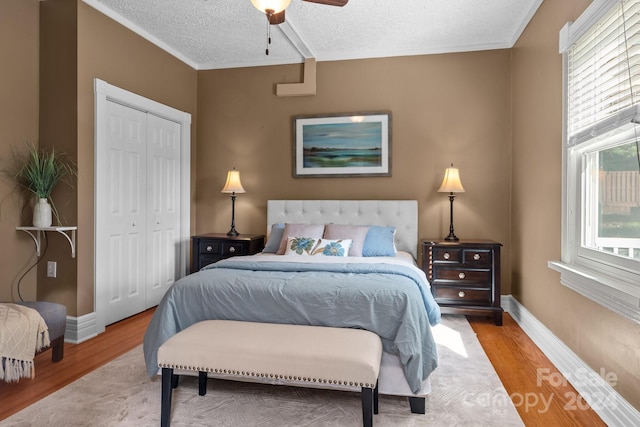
(464, 276)
(209, 248)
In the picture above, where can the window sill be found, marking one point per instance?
(610, 292)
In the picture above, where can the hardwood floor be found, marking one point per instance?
(515, 357)
(529, 377)
(78, 360)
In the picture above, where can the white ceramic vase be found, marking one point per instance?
(42, 214)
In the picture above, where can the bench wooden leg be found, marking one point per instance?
(417, 405)
(174, 380)
(367, 406)
(167, 389)
(375, 399)
(202, 383)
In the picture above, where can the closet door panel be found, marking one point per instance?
(163, 193)
(125, 222)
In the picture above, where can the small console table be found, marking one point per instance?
(68, 232)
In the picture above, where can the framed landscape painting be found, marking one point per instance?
(342, 145)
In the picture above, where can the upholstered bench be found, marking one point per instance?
(312, 355)
(55, 316)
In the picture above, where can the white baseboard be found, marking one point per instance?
(594, 389)
(80, 329)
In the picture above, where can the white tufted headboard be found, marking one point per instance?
(403, 214)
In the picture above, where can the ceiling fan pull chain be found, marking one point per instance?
(268, 37)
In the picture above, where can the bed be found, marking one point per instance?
(384, 292)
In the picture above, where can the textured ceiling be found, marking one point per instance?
(209, 34)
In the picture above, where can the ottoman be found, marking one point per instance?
(55, 316)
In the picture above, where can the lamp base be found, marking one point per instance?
(233, 232)
(451, 238)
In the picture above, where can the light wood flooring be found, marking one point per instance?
(514, 356)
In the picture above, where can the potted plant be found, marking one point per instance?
(36, 172)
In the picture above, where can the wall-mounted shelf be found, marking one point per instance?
(68, 232)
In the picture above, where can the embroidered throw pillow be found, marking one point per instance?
(314, 231)
(300, 246)
(328, 247)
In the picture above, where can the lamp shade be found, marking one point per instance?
(273, 6)
(451, 182)
(233, 184)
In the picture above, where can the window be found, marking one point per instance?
(601, 206)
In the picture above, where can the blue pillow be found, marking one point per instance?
(379, 241)
(274, 239)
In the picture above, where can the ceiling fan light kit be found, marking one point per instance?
(270, 6)
(274, 9)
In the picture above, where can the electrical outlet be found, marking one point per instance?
(52, 268)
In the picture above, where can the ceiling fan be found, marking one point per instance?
(274, 9)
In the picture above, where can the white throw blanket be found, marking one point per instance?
(23, 332)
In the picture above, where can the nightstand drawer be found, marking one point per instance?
(462, 276)
(456, 295)
(210, 247)
(447, 255)
(477, 257)
(222, 248)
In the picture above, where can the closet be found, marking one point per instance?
(138, 210)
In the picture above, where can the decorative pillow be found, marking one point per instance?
(380, 241)
(300, 245)
(315, 231)
(327, 247)
(274, 239)
(357, 234)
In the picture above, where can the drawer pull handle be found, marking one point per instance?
(476, 257)
(232, 249)
(209, 248)
(461, 275)
(461, 294)
(446, 255)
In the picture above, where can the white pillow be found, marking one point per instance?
(314, 231)
(300, 246)
(328, 247)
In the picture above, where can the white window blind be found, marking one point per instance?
(604, 74)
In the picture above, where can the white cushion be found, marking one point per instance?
(315, 354)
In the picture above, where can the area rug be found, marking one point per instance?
(466, 391)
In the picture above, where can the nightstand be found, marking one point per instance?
(464, 276)
(209, 248)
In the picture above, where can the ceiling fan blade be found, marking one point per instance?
(339, 3)
(276, 18)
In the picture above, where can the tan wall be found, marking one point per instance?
(601, 338)
(445, 109)
(58, 117)
(18, 124)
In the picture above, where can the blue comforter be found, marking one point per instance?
(393, 301)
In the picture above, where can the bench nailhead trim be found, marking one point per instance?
(264, 375)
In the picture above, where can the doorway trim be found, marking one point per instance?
(105, 92)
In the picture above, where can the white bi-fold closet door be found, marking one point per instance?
(138, 210)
